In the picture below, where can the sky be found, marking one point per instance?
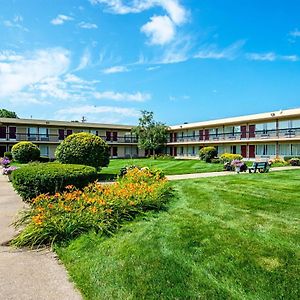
(185, 60)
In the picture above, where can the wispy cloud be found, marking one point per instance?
(61, 19)
(271, 56)
(86, 25)
(213, 52)
(126, 97)
(295, 33)
(153, 68)
(84, 60)
(16, 22)
(116, 69)
(160, 30)
(31, 68)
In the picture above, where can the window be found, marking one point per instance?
(93, 131)
(44, 150)
(2, 132)
(295, 149)
(262, 150)
(181, 150)
(265, 128)
(32, 133)
(44, 134)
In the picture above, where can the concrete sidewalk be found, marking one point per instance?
(225, 173)
(24, 274)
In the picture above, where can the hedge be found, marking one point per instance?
(287, 158)
(35, 179)
(229, 157)
(208, 153)
(25, 152)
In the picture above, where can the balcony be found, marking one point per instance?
(57, 138)
(241, 136)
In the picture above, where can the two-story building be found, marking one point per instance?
(47, 134)
(259, 136)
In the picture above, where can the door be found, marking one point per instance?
(108, 136)
(171, 139)
(171, 151)
(244, 150)
(206, 134)
(175, 151)
(251, 151)
(251, 131)
(115, 136)
(61, 134)
(114, 151)
(243, 131)
(2, 150)
(69, 131)
(175, 136)
(3, 133)
(201, 135)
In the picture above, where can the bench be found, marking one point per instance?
(261, 167)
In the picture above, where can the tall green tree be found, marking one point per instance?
(152, 135)
(4, 113)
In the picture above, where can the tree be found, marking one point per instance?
(152, 135)
(4, 113)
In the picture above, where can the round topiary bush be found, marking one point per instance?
(208, 153)
(85, 149)
(25, 152)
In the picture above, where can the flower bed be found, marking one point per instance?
(101, 208)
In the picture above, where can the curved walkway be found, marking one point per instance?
(225, 173)
(27, 274)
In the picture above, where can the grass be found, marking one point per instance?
(169, 166)
(234, 237)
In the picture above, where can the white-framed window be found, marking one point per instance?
(32, 133)
(44, 134)
(295, 149)
(94, 131)
(268, 149)
(44, 150)
(265, 128)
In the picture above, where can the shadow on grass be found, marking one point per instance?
(106, 177)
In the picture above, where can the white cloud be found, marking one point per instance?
(295, 33)
(115, 69)
(212, 51)
(160, 30)
(16, 22)
(32, 68)
(8, 55)
(271, 56)
(84, 60)
(90, 109)
(127, 97)
(153, 68)
(61, 19)
(86, 25)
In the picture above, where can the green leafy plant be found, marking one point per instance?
(25, 152)
(35, 179)
(8, 155)
(208, 153)
(98, 208)
(4, 113)
(229, 157)
(83, 148)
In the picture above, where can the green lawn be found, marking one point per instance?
(169, 166)
(235, 237)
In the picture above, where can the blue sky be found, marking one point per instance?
(185, 60)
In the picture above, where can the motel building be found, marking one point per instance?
(260, 136)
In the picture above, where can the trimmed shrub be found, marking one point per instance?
(98, 208)
(287, 158)
(229, 157)
(208, 153)
(294, 161)
(85, 149)
(25, 152)
(154, 172)
(8, 155)
(35, 179)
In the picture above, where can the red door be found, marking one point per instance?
(251, 151)
(2, 150)
(61, 134)
(115, 136)
(206, 134)
(171, 151)
(201, 135)
(243, 132)
(69, 131)
(244, 150)
(175, 136)
(114, 151)
(175, 151)
(171, 138)
(2, 132)
(251, 131)
(108, 135)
